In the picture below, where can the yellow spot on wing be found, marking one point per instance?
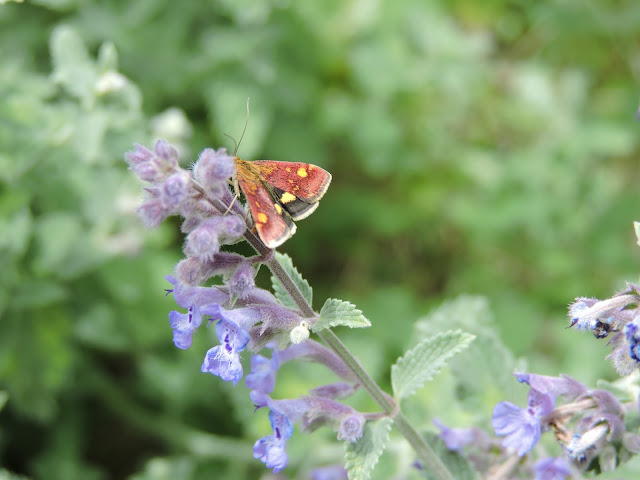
(262, 218)
(287, 197)
(302, 172)
(288, 169)
(278, 208)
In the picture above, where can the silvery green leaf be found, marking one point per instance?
(422, 362)
(363, 455)
(279, 290)
(337, 312)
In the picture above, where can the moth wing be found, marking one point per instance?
(273, 224)
(297, 186)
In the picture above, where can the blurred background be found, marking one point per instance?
(481, 148)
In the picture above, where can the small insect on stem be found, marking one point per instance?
(278, 193)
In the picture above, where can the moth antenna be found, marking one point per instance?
(246, 122)
(235, 144)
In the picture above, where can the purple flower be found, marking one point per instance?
(632, 334)
(556, 386)
(167, 152)
(324, 411)
(242, 280)
(198, 301)
(603, 316)
(174, 190)
(455, 438)
(314, 412)
(153, 166)
(594, 432)
(283, 414)
(205, 239)
(271, 449)
(212, 170)
(263, 372)
(152, 212)
(552, 468)
(224, 359)
(330, 472)
(183, 325)
(521, 427)
(582, 446)
(293, 408)
(351, 427)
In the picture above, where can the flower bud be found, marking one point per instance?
(300, 333)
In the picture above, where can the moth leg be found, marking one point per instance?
(236, 191)
(235, 197)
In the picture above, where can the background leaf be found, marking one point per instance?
(363, 455)
(425, 360)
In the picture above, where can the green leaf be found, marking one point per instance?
(56, 236)
(337, 312)
(483, 371)
(421, 363)
(73, 67)
(363, 455)
(279, 290)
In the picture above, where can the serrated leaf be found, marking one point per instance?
(363, 455)
(484, 369)
(337, 312)
(279, 290)
(421, 363)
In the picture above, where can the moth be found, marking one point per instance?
(279, 194)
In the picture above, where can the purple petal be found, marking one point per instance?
(263, 373)
(231, 335)
(330, 472)
(563, 385)
(551, 468)
(540, 404)
(455, 438)
(187, 296)
(521, 429)
(183, 326)
(222, 363)
(272, 453)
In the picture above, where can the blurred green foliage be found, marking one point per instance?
(476, 147)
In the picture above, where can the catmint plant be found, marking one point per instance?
(258, 331)
(275, 327)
